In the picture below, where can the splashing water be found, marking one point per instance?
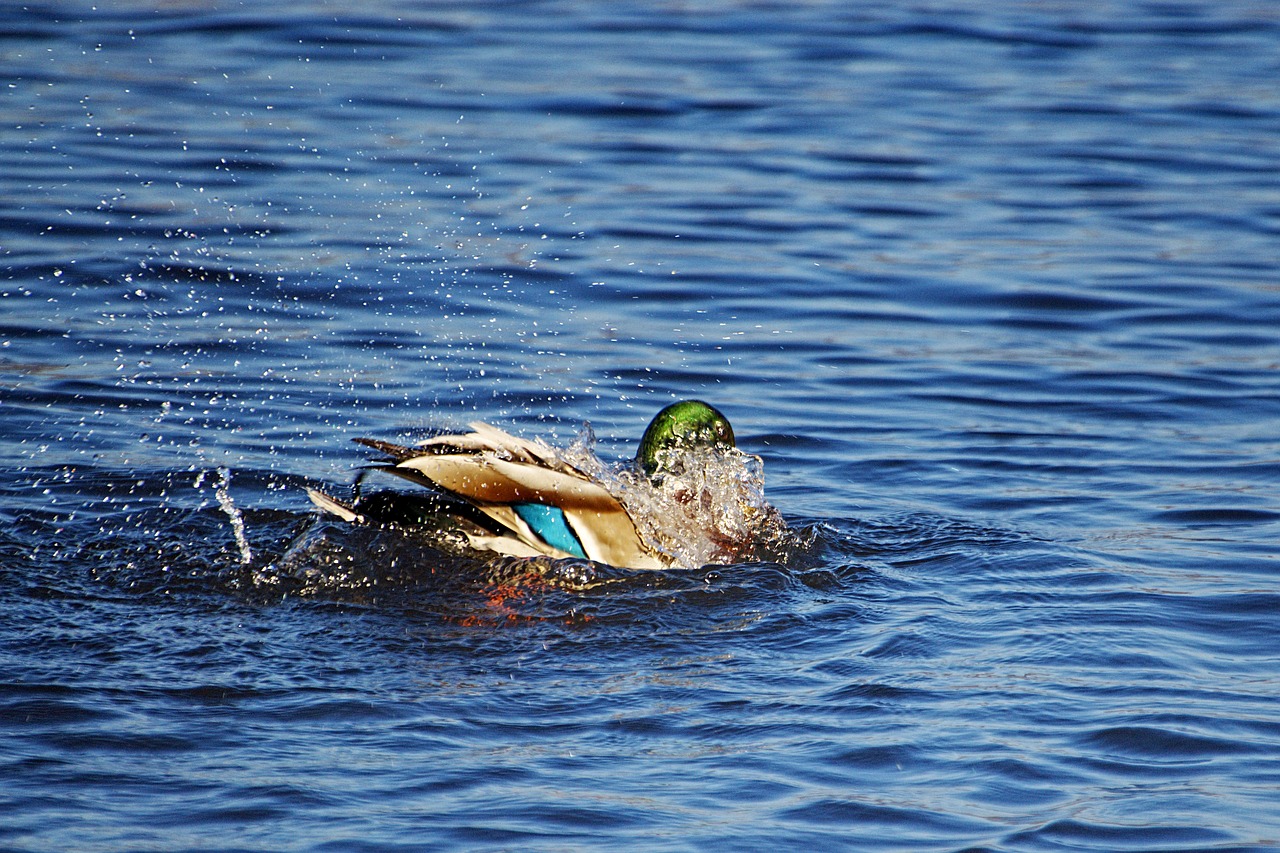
(233, 513)
(708, 508)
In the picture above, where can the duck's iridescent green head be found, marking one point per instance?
(686, 425)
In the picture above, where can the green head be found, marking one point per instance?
(686, 425)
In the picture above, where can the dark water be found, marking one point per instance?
(992, 288)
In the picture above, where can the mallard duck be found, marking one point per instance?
(495, 492)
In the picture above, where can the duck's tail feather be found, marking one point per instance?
(333, 506)
(394, 452)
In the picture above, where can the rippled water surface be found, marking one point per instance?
(991, 288)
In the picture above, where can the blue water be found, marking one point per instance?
(991, 288)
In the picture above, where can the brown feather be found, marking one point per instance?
(492, 469)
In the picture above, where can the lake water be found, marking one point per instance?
(992, 289)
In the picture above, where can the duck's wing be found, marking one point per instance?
(537, 499)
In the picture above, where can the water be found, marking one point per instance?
(990, 289)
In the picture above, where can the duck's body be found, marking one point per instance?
(537, 503)
(509, 496)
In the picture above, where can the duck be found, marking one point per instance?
(493, 493)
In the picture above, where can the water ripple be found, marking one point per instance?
(990, 288)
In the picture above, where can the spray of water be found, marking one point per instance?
(233, 513)
(709, 508)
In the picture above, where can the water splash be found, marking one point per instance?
(233, 513)
(709, 508)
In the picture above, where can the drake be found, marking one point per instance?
(494, 492)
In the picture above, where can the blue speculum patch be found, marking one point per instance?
(549, 523)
